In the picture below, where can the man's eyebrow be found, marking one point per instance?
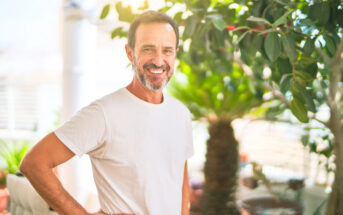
(169, 47)
(153, 46)
(148, 46)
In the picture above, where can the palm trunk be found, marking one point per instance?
(220, 171)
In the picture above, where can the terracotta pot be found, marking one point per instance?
(269, 206)
(3, 198)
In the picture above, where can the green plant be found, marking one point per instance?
(12, 152)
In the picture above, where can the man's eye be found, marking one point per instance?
(147, 50)
(168, 51)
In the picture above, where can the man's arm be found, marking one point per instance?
(37, 166)
(185, 193)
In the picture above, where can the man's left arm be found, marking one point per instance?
(185, 193)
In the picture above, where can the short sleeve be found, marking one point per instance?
(85, 131)
(189, 146)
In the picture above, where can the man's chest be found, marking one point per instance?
(147, 137)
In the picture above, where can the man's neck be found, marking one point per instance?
(140, 91)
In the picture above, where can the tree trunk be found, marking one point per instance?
(335, 203)
(220, 171)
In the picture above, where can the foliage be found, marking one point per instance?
(12, 153)
(301, 43)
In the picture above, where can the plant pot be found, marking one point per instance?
(3, 198)
(270, 206)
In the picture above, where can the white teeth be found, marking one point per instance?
(156, 71)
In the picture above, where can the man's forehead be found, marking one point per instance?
(152, 25)
(152, 33)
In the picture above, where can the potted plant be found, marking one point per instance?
(11, 153)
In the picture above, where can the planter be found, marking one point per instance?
(3, 198)
(270, 206)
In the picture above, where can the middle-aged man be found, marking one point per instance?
(138, 139)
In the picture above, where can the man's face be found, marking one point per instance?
(154, 54)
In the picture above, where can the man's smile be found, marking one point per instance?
(156, 71)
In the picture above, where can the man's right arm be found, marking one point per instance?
(38, 166)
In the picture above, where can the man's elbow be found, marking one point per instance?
(25, 165)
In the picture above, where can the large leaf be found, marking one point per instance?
(289, 46)
(219, 23)
(299, 110)
(308, 99)
(320, 12)
(330, 44)
(105, 11)
(309, 46)
(272, 46)
(283, 19)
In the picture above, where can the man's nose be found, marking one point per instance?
(158, 59)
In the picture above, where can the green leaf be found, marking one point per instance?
(258, 19)
(303, 78)
(178, 17)
(296, 87)
(313, 147)
(219, 23)
(307, 98)
(285, 83)
(145, 6)
(309, 46)
(272, 46)
(320, 12)
(241, 37)
(125, 14)
(105, 11)
(190, 24)
(307, 60)
(282, 20)
(289, 47)
(241, 28)
(312, 69)
(118, 32)
(299, 110)
(305, 139)
(330, 45)
(306, 22)
(284, 66)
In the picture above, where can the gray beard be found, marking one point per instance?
(145, 81)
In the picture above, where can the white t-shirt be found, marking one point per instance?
(137, 150)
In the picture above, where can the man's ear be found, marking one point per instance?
(129, 52)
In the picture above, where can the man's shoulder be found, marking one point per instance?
(114, 98)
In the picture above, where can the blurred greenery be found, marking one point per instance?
(12, 152)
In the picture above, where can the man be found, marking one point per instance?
(137, 138)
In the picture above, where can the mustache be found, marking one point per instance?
(154, 66)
